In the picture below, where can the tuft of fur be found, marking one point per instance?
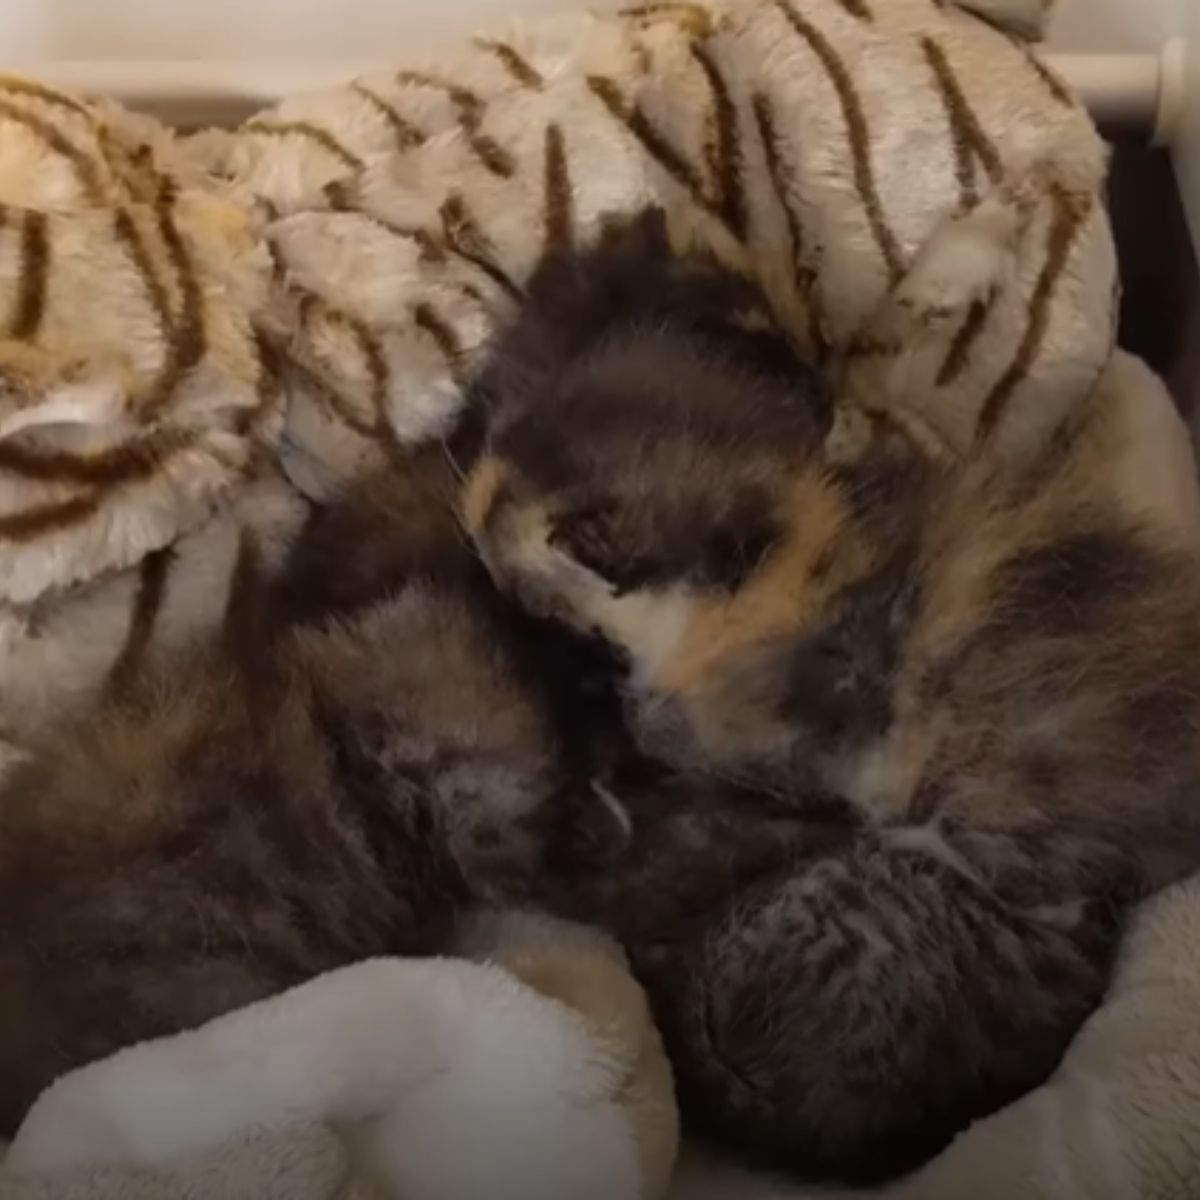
(989, 660)
(364, 753)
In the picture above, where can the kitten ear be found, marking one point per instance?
(639, 239)
(574, 296)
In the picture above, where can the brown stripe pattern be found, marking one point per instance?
(519, 68)
(29, 524)
(959, 354)
(1054, 85)
(857, 131)
(558, 216)
(470, 110)
(427, 245)
(314, 307)
(635, 120)
(408, 136)
(1071, 212)
(694, 17)
(377, 368)
(152, 586)
(805, 276)
(335, 406)
(310, 132)
(723, 149)
(268, 386)
(723, 198)
(135, 460)
(126, 230)
(464, 238)
(35, 268)
(443, 334)
(86, 169)
(859, 9)
(188, 339)
(970, 140)
(338, 197)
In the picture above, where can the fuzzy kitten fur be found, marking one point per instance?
(373, 746)
(989, 666)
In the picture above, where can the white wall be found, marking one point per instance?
(1105, 25)
(31, 29)
(272, 29)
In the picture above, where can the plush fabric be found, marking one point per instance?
(180, 317)
(202, 336)
(536, 1075)
(1120, 1119)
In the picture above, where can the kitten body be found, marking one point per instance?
(365, 753)
(989, 662)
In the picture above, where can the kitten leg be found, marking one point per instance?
(449, 1080)
(847, 1019)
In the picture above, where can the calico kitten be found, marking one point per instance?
(368, 750)
(989, 663)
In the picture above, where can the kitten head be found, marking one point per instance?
(665, 470)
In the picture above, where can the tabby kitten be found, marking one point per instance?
(369, 749)
(987, 664)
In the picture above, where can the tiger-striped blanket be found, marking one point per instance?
(181, 317)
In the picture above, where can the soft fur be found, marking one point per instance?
(365, 751)
(380, 291)
(984, 662)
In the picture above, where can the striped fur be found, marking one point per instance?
(370, 743)
(966, 666)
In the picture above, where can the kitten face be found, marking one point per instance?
(665, 472)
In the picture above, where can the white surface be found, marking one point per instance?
(1110, 25)
(241, 29)
(281, 29)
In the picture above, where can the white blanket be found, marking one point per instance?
(1119, 1121)
(537, 1075)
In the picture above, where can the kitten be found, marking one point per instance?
(988, 662)
(370, 749)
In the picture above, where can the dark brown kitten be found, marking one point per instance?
(369, 749)
(990, 663)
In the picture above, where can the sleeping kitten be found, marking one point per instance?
(990, 663)
(370, 750)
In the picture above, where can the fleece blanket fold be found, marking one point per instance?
(536, 1074)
